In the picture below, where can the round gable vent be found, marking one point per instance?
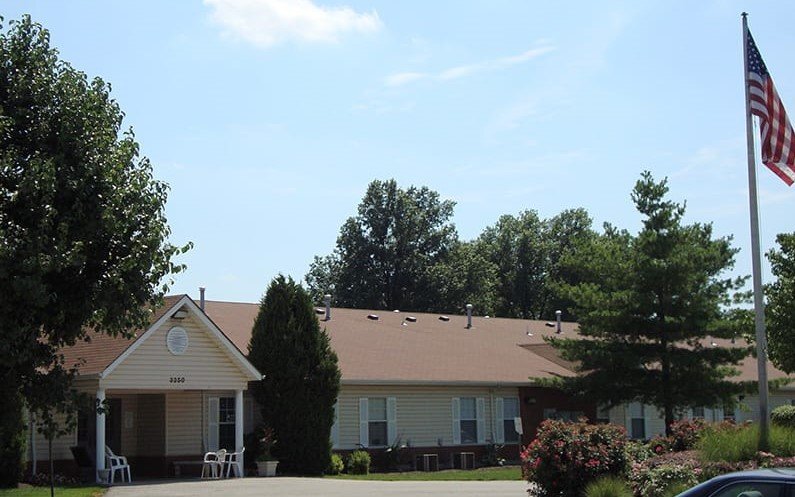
(177, 340)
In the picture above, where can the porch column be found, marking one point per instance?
(239, 428)
(100, 435)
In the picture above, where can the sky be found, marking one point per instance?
(269, 118)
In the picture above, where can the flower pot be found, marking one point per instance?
(267, 468)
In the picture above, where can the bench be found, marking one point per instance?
(178, 465)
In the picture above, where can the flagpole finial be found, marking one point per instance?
(745, 15)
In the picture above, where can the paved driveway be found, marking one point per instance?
(311, 487)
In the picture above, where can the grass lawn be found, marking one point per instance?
(482, 474)
(29, 491)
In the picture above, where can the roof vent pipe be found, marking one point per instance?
(327, 301)
(201, 297)
(469, 316)
(557, 316)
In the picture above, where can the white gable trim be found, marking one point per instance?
(238, 358)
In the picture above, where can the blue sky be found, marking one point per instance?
(268, 118)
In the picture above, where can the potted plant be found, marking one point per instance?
(266, 463)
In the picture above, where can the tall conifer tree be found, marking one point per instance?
(649, 307)
(301, 377)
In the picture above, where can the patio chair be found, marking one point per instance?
(214, 461)
(235, 460)
(116, 463)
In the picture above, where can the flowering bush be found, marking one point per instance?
(566, 456)
(637, 451)
(43, 480)
(266, 441)
(655, 481)
(685, 433)
(659, 445)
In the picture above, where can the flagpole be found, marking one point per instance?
(756, 256)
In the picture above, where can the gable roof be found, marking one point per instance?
(102, 354)
(100, 350)
(393, 350)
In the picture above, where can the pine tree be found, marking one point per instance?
(301, 377)
(649, 306)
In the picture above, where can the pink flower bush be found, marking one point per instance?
(566, 456)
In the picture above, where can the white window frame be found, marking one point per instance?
(480, 420)
(502, 418)
(631, 417)
(364, 420)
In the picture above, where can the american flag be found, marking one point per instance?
(778, 139)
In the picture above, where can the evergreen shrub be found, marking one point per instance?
(783, 416)
(336, 465)
(359, 463)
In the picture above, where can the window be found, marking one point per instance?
(469, 420)
(637, 415)
(698, 412)
(510, 413)
(226, 423)
(377, 422)
(751, 489)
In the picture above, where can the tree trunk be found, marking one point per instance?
(52, 467)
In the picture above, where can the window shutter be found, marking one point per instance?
(364, 422)
(500, 424)
(391, 420)
(335, 428)
(456, 420)
(481, 414)
(213, 406)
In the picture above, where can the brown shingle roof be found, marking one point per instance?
(493, 351)
(101, 350)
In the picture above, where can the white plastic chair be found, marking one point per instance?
(215, 462)
(234, 462)
(114, 463)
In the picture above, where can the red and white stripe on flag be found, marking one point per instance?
(777, 136)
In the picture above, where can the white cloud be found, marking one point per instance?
(456, 72)
(265, 23)
(403, 78)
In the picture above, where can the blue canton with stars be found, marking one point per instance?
(755, 62)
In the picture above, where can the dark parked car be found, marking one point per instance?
(758, 483)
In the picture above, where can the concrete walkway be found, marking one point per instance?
(312, 487)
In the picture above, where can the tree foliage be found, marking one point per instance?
(301, 377)
(384, 254)
(647, 306)
(526, 252)
(82, 227)
(780, 311)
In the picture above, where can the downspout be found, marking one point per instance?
(493, 415)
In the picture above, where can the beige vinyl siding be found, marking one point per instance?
(60, 445)
(184, 423)
(749, 406)
(206, 364)
(424, 413)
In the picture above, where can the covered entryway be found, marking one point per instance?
(172, 394)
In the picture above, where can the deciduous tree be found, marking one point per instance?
(780, 311)
(83, 235)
